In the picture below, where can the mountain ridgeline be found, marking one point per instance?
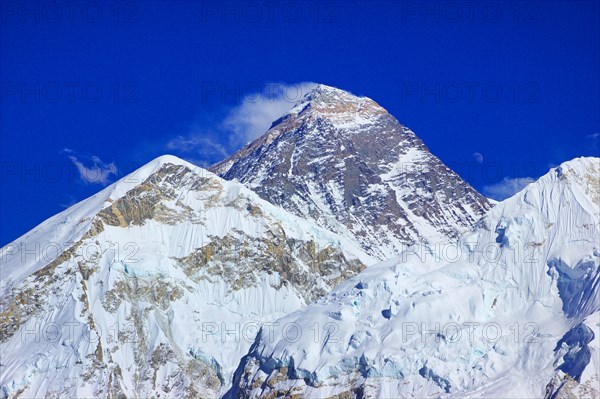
(345, 163)
(282, 272)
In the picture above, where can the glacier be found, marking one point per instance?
(513, 311)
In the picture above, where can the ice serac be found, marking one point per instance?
(344, 162)
(512, 311)
(156, 286)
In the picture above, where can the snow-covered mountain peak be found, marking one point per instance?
(321, 94)
(158, 255)
(168, 158)
(339, 107)
(154, 165)
(585, 172)
(347, 164)
(128, 182)
(575, 182)
(582, 170)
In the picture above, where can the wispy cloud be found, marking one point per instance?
(254, 115)
(208, 140)
(593, 142)
(197, 142)
(507, 187)
(593, 136)
(92, 169)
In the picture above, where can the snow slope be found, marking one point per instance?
(156, 286)
(511, 311)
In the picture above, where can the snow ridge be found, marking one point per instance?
(512, 311)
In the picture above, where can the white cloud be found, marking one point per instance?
(196, 142)
(207, 140)
(593, 143)
(507, 187)
(254, 115)
(593, 136)
(478, 157)
(96, 171)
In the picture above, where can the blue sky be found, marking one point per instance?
(90, 91)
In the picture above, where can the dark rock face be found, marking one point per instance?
(346, 163)
(578, 354)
